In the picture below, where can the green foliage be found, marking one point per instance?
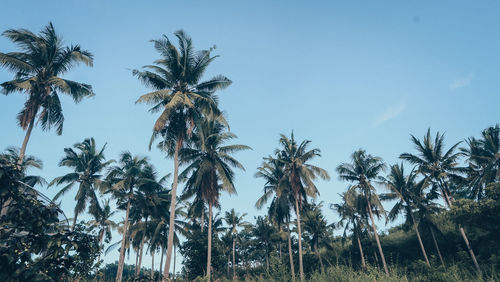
(34, 244)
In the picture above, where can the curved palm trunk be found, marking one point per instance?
(376, 236)
(363, 264)
(420, 240)
(26, 138)
(301, 267)
(121, 260)
(74, 222)
(234, 260)
(101, 237)
(161, 261)
(437, 246)
(319, 257)
(292, 268)
(449, 200)
(209, 251)
(173, 195)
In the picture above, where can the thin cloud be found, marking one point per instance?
(390, 113)
(461, 82)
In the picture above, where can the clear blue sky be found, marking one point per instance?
(343, 74)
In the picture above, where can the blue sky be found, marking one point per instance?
(344, 74)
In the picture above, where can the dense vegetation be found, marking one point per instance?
(447, 199)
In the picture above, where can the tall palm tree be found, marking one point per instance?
(181, 97)
(352, 212)
(210, 167)
(439, 167)
(234, 220)
(87, 163)
(300, 176)
(483, 157)
(282, 202)
(406, 191)
(124, 179)
(38, 67)
(363, 169)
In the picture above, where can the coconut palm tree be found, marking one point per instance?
(352, 212)
(405, 190)
(265, 234)
(317, 230)
(300, 176)
(210, 167)
(282, 203)
(439, 167)
(102, 220)
(87, 163)
(234, 220)
(363, 169)
(483, 158)
(124, 179)
(181, 97)
(38, 67)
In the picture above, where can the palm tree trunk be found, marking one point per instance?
(420, 240)
(437, 246)
(209, 251)
(74, 222)
(363, 264)
(101, 237)
(202, 220)
(173, 272)
(421, 244)
(138, 267)
(376, 236)
(26, 138)
(292, 268)
(297, 212)
(445, 190)
(234, 259)
(142, 245)
(319, 257)
(161, 261)
(173, 195)
(152, 265)
(121, 260)
(471, 252)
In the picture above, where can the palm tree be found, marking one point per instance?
(38, 67)
(362, 170)
(102, 220)
(235, 221)
(406, 191)
(124, 179)
(181, 97)
(282, 203)
(87, 163)
(317, 229)
(299, 175)
(264, 233)
(352, 212)
(210, 167)
(439, 168)
(483, 157)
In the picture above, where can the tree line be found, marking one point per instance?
(40, 243)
